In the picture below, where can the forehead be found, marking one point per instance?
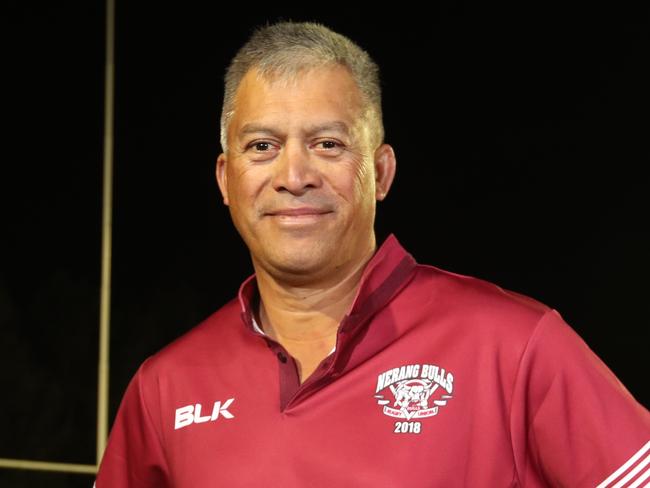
(310, 97)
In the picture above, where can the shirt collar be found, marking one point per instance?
(259, 330)
(384, 275)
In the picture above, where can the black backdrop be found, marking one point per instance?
(521, 137)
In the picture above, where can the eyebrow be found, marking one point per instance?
(334, 125)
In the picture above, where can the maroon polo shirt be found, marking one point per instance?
(437, 379)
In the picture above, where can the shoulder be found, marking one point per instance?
(201, 345)
(480, 295)
(478, 313)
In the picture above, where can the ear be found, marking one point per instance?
(385, 165)
(222, 178)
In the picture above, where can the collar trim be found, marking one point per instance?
(385, 274)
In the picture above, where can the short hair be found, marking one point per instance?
(286, 48)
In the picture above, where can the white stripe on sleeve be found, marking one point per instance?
(633, 472)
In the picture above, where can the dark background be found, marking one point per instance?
(521, 137)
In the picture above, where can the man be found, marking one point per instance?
(340, 364)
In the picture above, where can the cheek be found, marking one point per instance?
(363, 183)
(354, 180)
(356, 188)
(243, 187)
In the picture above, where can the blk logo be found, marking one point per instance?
(191, 414)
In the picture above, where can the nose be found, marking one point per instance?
(295, 171)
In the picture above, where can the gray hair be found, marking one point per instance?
(286, 48)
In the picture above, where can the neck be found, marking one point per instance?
(309, 314)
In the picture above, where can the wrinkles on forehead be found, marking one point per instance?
(265, 105)
(289, 74)
(313, 129)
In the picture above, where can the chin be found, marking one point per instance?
(300, 264)
(301, 261)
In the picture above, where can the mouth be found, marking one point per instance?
(298, 216)
(298, 212)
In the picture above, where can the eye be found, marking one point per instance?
(261, 150)
(261, 146)
(329, 146)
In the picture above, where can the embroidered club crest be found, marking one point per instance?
(414, 391)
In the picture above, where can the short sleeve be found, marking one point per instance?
(573, 423)
(134, 456)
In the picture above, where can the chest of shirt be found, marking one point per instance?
(408, 412)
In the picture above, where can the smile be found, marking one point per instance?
(298, 216)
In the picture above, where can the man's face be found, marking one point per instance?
(300, 176)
